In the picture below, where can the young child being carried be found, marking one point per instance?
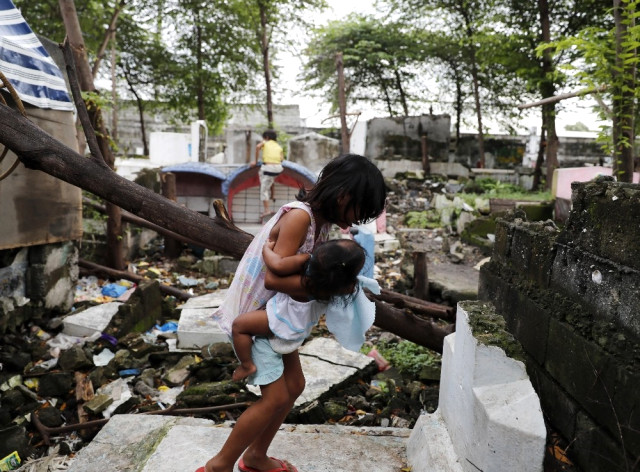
(330, 274)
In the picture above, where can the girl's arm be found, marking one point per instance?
(280, 265)
(289, 233)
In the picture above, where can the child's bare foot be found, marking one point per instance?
(243, 371)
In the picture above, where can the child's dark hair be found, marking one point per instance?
(352, 176)
(270, 134)
(333, 268)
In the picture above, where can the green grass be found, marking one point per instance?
(409, 358)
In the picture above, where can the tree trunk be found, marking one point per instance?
(459, 107)
(476, 97)
(342, 105)
(548, 89)
(37, 150)
(623, 100)
(109, 34)
(115, 242)
(199, 66)
(537, 172)
(264, 45)
(114, 90)
(403, 96)
(464, 11)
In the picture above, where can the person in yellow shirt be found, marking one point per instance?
(272, 157)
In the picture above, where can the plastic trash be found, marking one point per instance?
(128, 372)
(103, 358)
(11, 462)
(168, 327)
(66, 341)
(169, 395)
(110, 339)
(119, 391)
(113, 290)
(382, 363)
(187, 281)
(39, 333)
(32, 383)
(11, 383)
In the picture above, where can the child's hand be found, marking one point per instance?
(269, 244)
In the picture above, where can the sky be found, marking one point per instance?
(316, 114)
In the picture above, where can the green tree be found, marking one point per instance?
(380, 60)
(214, 58)
(469, 20)
(608, 67)
(540, 25)
(272, 22)
(144, 64)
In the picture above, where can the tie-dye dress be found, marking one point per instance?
(247, 292)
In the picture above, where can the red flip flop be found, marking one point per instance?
(201, 469)
(284, 467)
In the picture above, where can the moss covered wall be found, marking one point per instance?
(572, 299)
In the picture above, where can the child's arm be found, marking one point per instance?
(259, 146)
(289, 232)
(280, 265)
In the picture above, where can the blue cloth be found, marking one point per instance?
(350, 323)
(27, 64)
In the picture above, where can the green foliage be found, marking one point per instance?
(379, 61)
(579, 126)
(408, 357)
(422, 219)
(608, 62)
(490, 188)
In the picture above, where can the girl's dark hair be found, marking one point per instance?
(333, 267)
(352, 176)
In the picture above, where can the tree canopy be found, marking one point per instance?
(468, 59)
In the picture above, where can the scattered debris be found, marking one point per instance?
(56, 390)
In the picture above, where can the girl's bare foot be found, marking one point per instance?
(243, 371)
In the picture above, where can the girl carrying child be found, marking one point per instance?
(330, 275)
(350, 189)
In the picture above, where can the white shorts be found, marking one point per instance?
(268, 175)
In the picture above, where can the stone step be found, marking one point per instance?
(176, 444)
(197, 328)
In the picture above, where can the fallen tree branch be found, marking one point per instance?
(412, 328)
(46, 431)
(417, 305)
(135, 220)
(38, 150)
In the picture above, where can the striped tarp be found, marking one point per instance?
(27, 65)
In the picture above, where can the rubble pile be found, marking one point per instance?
(51, 381)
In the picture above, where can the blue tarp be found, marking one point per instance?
(197, 168)
(26, 63)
